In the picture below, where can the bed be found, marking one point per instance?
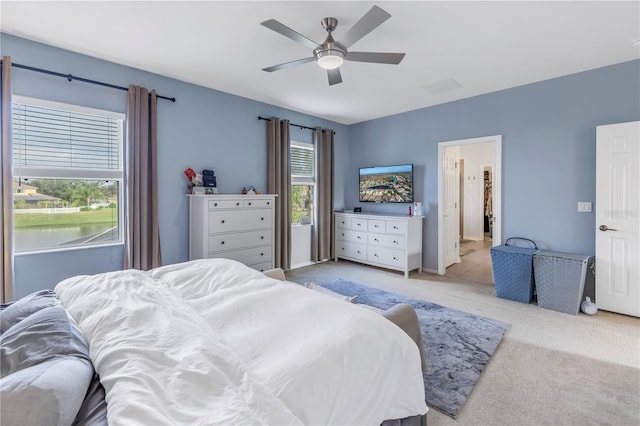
(215, 342)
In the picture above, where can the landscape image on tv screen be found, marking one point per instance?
(387, 184)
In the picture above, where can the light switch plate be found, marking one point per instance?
(584, 206)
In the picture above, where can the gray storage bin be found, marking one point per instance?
(560, 280)
(513, 270)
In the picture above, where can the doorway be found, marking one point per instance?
(469, 196)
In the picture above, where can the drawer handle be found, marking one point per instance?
(375, 239)
(395, 242)
(261, 254)
(222, 220)
(375, 254)
(376, 226)
(215, 204)
(395, 258)
(249, 203)
(343, 222)
(237, 204)
(359, 224)
(268, 203)
(262, 237)
(222, 242)
(359, 237)
(262, 218)
(343, 235)
(358, 251)
(395, 227)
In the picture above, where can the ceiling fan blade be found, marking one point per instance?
(289, 64)
(276, 26)
(376, 57)
(370, 21)
(334, 76)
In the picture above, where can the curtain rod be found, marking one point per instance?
(85, 80)
(293, 124)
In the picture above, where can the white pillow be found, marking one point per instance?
(320, 289)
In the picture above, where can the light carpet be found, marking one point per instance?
(457, 344)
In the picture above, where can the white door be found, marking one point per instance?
(618, 218)
(451, 208)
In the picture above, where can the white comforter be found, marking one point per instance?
(215, 342)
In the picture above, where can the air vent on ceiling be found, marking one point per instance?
(442, 86)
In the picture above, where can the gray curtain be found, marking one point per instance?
(6, 201)
(322, 244)
(142, 240)
(279, 182)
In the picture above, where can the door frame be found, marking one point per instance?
(497, 192)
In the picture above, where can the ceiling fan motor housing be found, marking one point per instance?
(330, 54)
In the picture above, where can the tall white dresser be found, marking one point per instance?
(388, 241)
(238, 227)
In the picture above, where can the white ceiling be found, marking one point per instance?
(483, 46)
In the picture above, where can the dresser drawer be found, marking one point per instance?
(386, 240)
(376, 225)
(351, 250)
(224, 242)
(343, 222)
(351, 235)
(258, 203)
(359, 224)
(239, 220)
(249, 256)
(234, 204)
(264, 266)
(225, 204)
(396, 227)
(385, 256)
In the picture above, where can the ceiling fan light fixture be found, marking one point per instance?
(330, 61)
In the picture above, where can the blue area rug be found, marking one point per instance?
(457, 344)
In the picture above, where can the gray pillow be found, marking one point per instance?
(44, 365)
(12, 313)
(49, 393)
(43, 335)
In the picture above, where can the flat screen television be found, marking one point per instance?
(387, 184)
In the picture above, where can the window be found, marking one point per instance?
(302, 182)
(68, 176)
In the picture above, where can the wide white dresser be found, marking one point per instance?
(238, 227)
(387, 241)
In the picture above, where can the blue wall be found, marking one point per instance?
(548, 152)
(548, 133)
(204, 129)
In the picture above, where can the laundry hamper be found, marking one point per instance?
(513, 270)
(560, 280)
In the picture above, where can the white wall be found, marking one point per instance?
(475, 156)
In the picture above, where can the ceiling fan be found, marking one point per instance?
(330, 54)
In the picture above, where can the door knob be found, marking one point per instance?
(606, 228)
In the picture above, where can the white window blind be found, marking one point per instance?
(301, 157)
(49, 140)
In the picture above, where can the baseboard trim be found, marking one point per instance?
(302, 265)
